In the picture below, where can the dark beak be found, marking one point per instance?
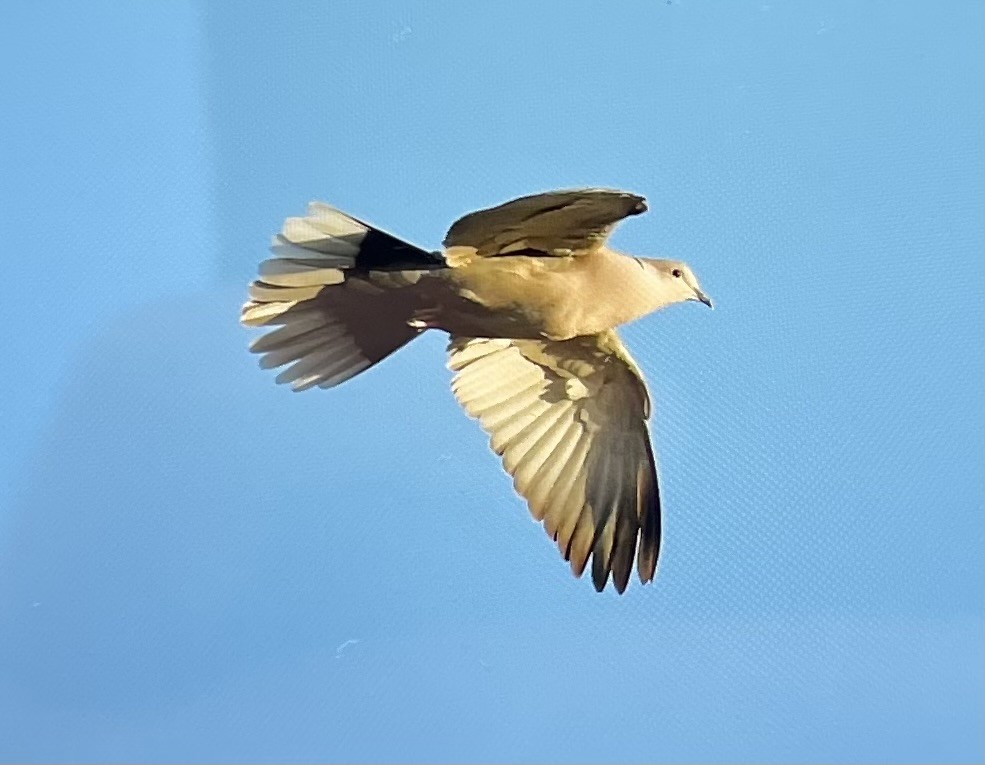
(702, 297)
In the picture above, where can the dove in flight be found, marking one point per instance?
(530, 296)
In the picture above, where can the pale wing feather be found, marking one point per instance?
(569, 420)
(539, 495)
(567, 496)
(555, 223)
(541, 447)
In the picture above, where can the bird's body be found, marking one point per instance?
(547, 297)
(530, 296)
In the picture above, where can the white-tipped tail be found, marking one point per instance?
(326, 332)
(309, 253)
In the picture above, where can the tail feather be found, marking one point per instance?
(334, 292)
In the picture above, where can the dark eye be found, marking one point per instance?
(676, 273)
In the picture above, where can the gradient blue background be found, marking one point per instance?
(198, 565)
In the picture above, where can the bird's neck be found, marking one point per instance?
(632, 288)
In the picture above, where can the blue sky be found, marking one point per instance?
(198, 565)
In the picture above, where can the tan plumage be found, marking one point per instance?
(530, 295)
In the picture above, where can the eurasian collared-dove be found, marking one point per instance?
(530, 296)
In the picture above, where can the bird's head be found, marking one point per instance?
(677, 281)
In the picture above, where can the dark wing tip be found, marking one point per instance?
(624, 545)
(600, 576)
(650, 522)
(621, 582)
(647, 569)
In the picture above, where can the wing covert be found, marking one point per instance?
(555, 223)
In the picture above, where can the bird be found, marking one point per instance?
(530, 296)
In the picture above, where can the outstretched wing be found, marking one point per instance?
(555, 223)
(569, 420)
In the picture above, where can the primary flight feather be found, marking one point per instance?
(530, 295)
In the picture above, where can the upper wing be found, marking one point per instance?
(555, 223)
(569, 419)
